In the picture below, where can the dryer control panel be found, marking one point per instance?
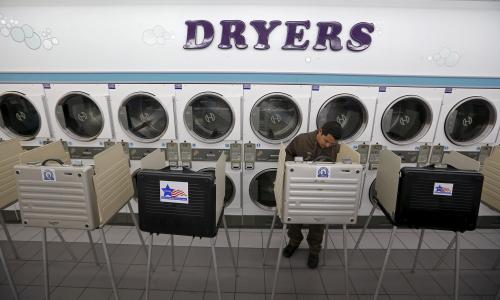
(235, 156)
(186, 156)
(250, 156)
(172, 154)
(374, 157)
(437, 154)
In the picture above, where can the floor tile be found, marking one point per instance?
(308, 281)
(192, 279)
(250, 280)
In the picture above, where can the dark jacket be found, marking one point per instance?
(305, 145)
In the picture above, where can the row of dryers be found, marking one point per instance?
(195, 122)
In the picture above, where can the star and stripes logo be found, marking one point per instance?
(174, 192)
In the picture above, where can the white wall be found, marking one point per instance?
(449, 39)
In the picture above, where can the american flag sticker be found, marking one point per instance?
(174, 192)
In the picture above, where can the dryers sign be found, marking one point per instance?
(174, 192)
(200, 34)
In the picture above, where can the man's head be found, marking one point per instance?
(328, 134)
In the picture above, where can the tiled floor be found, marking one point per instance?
(193, 277)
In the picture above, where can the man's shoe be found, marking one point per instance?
(312, 260)
(289, 250)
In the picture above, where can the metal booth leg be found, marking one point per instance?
(92, 247)
(441, 258)
(9, 238)
(229, 244)
(136, 224)
(65, 244)
(346, 265)
(108, 263)
(270, 236)
(381, 277)
(45, 263)
(212, 245)
(422, 232)
(277, 268)
(366, 225)
(8, 275)
(172, 248)
(326, 244)
(457, 264)
(148, 269)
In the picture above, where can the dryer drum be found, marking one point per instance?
(470, 121)
(18, 117)
(261, 189)
(230, 189)
(79, 116)
(406, 120)
(348, 111)
(143, 118)
(209, 117)
(275, 118)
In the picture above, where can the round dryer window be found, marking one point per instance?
(275, 118)
(348, 111)
(18, 117)
(143, 117)
(79, 116)
(470, 121)
(406, 120)
(261, 189)
(209, 117)
(230, 188)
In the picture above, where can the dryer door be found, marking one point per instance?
(18, 116)
(143, 117)
(209, 117)
(79, 116)
(230, 187)
(348, 111)
(275, 118)
(406, 120)
(261, 189)
(470, 121)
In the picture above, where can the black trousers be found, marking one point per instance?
(314, 236)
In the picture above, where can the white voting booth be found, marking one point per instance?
(318, 193)
(55, 194)
(150, 168)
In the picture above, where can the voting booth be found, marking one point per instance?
(179, 201)
(309, 192)
(53, 193)
(445, 197)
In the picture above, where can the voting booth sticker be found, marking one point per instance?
(322, 172)
(48, 175)
(174, 192)
(443, 189)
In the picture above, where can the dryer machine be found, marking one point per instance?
(232, 198)
(258, 190)
(81, 117)
(208, 117)
(274, 114)
(353, 107)
(23, 114)
(406, 121)
(143, 116)
(468, 121)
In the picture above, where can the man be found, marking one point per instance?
(319, 144)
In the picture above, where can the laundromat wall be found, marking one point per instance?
(420, 78)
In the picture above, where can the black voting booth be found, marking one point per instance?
(179, 201)
(441, 198)
(181, 212)
(437, 198)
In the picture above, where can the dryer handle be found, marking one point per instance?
(52, 159)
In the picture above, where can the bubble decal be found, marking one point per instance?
(26, 34)
(157, 36)
(445, 58)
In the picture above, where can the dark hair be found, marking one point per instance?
(333, 128)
